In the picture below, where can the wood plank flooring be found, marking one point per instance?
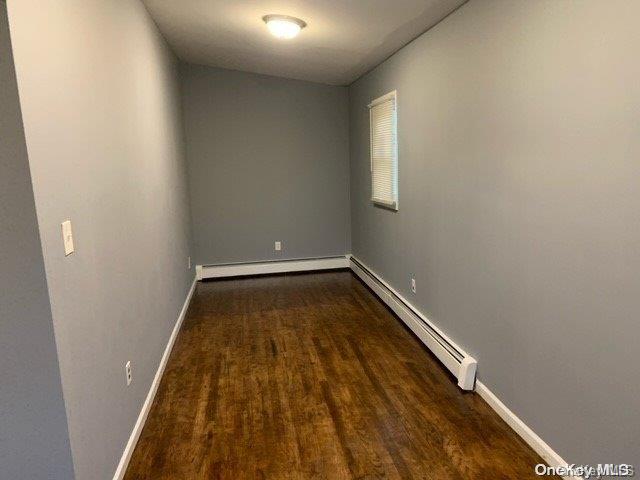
(311, 377)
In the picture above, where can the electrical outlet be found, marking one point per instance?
(127, 371)
(413, 285)
(188, 263)
(278, 246)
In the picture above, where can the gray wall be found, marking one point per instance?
(268, 160)
(34, 440)
(519, 148)
(102, 116)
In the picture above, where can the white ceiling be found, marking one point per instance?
(343, 39)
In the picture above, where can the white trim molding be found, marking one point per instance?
(387, 96)
(263, 268)
(541, 447)
(452, 356)
(144, 412)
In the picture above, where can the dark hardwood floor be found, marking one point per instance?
(310, 376)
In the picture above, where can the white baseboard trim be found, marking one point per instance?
(541, 447)
(529, 436)
(452, 356)
(262, 268)
(137, 429)
(412, 317)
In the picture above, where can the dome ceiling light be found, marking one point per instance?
(283, 26)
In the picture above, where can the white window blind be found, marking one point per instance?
(384, 150)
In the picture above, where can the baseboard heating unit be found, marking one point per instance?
(459, 363)
(270, 267)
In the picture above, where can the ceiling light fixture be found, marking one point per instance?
(283, 26)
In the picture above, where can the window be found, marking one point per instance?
(383, 121)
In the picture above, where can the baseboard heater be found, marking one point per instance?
(459, 363)
(270, 267)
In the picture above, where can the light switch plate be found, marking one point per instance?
(67, 238)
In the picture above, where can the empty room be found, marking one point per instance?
(319, 239)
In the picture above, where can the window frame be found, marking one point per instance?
(393, 205)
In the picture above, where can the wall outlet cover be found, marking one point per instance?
(127, 371)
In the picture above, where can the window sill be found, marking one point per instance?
(385, 204)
